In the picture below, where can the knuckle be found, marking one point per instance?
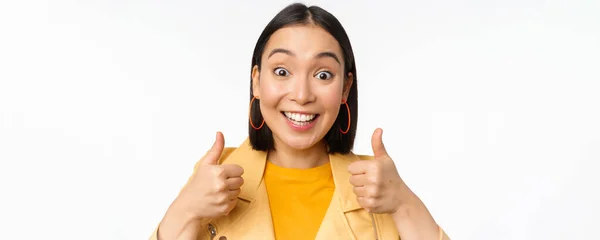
(218, 172)
(372, 191)
(220, 186)
(365, 203)
(224, 209)
(370, 202)
(222, 198)
(214, 201)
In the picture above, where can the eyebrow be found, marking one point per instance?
(328, 54)
(320, 55)
(281, 50)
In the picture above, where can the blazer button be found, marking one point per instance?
(212, 230)
(223, 238)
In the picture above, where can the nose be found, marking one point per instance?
(301, 90)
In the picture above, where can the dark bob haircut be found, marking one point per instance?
(300, 14)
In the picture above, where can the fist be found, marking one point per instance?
(377, 184)
(213, 189)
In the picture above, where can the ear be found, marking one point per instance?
(255, 81)
(347, 84)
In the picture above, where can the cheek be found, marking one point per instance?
(332, 98)
(270, 93)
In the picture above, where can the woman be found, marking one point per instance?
(295, 177)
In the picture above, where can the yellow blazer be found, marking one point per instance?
(251, 217)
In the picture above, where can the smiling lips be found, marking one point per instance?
(300, 121)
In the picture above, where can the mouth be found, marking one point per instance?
(300, 119)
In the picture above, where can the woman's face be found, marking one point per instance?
(301, 84)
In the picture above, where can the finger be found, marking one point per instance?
(360, 191)
(358, 180)
(367, 192)
(358, 167)
(234, 183)
(233, 194)
(377, 144)
(361, 201)
(367, 203)
(232, 170)
(214, 153)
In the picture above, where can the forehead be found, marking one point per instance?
(303, 40)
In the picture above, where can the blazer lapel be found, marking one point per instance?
(335, 225)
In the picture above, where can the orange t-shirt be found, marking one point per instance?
(298, 199)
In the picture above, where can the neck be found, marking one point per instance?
(287, 157)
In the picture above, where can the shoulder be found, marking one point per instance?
(226, 153)
(344, 160)
(365, 157)
(243, 155)
(358, 156)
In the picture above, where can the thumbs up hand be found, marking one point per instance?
(377, 184)
(213, 189)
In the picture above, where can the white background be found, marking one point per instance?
(490, 108)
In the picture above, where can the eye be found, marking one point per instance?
(281, 72)
(324, 75)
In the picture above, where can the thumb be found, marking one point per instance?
(213, 155)
(377, 144)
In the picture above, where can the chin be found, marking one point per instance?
(300, 142)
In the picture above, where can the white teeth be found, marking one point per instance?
(299, 117)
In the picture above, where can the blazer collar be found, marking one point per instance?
(253, 162)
